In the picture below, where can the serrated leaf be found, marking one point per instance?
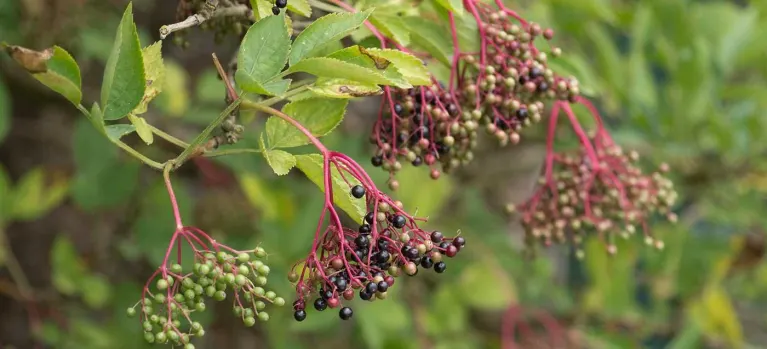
(123, 86)
(340, 88)
(318, 115)
(432, 37)
(392, 26)
(326, 28)
(142, 128)
(334, 68)
(280, 161)
(300, 7)
(409, 66)
(115, 132)
(486, 286)
(455, 6)
(263, 53)
(36, 194)
(154, 75)
(53, 67)
(261, 9)
(362, 57)
(67, 270)
(272, 88)
(312, 166)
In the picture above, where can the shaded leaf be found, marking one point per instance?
(115, 132)
(335, 68)
(485, 286)
(326, 28)
(33, 197)
(67, 270)
(431, 37)
(53, 67)
(174, 101)
(96, 291)
(142, 128)
(154, 75)
(263, 53)
(312, 166)
(123, 86)
(318, 115)
(259, 195)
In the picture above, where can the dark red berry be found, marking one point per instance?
(459, 242)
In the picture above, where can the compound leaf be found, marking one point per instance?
(123, 86)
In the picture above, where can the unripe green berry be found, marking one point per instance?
(271, 295)
(243, 257)
(264, 270)
(240, 280)
(248, 312)
(260, 252)
(249, 321)
(210, 291)
(149, 337)
(263, 316)
(162, 284)
(243, 269)
(189, 294)
(259, 291)
(279, 301)
(147, 326)
(189, 346)
(196, 326)
(219, 295)
(200, 307)
(260, 305)
(131, 312)
(261, 280)
(176, 268)
(161, 337)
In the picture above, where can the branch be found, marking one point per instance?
(209, 11)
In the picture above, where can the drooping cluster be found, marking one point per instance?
(365, 260)
(509, 81)
(597, 190)
(173, 295)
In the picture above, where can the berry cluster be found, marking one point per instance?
(597, 189)
(365, 260)
(172, 295)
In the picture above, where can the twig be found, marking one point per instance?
(210, 10)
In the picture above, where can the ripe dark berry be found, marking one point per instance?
(276, 11)
(382, 244)
(371, 287)
(440, 267)
(299, 315)
(398, 221)
(369, 217)
(345, 313)
(522, 113)
(358, 191)
(281, 3)
(326, 294)
(362, 241)
(382, 257)
(377, 160)
(444, 245)
(341, 284)
(459, 242)
(535, 72)
(364, 229)
(436, 237)
(411, 253)
(418, 161)
(383, 286)
(398, 109)
(365, 296)
(426, 262)
(320, 304)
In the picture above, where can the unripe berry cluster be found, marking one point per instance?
(173, 295)
(423, 125)
(365, 260)
(611, 198)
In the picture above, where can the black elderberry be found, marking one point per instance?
(398, 221)
(281, 3)
(361, 253)
(377, 160)
(320, 304)
(358, 191)
(276, 11)
(417, 161)
(382, 244)
(502, 124)
(369, 217)
(345, 313)
(371, 287)
(382, 257)
(535, 72)
(436, 237)
(365, 228)
(444, 245)
(440, 267)
(299, 315)
(341, 283)
(398, 109)
(402, 137)
(522, 113)
(385, 265)
(362, 241)
(365, 295)
(411, 253)
(542, 87)
(326, 294)
(459, 242)
(383, 286)
(442, 149)
(427, 262)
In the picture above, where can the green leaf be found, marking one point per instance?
(67, 269)
(455, 6)
(640, 77)
(408, 65)
(115, 132)
(5, 112)
(123, 86)
(318, 115)
(280, 160)
(174, 101)
(261, 9)
(154, 75)
(382, 318)
(97, 118)
(312, 166)
(486, 286)
(735, 39)
(300, 7)
(33, 198)
(95, 290)
(432, 37)
(272, 88)
(263, 53)
(327, 28)
(334, 68)
(392, 26)
(340, 88)
(53, 67)
(424, 198)
(362, 57)
(142, 128)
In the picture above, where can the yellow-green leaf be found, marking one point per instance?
(174, 101)
(486, 286)
(341, 88)
(362, 57)
(312, 166)
(115, 132)
(327, 28)
(35, 194)
(392, 26)
(53, 67)
(432, 37)
(335, 68)
(716, 315)
(411, 67)
(318, 115)
(259, 195)
(280, 160)
(142, 128)
(154, 75)
(123, 86)
(300, 7)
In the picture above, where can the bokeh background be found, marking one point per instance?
(682, 81)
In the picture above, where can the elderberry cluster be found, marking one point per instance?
(366, 261)
(423, 125)
(178, 294)
(612, 199)
(509, 85)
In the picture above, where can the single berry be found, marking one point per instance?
(365, 296)
(358, 191)
(383, 286)
(320, 304)
(362, 241)
(371, 287)
(398, 221)
(276, 10)
(459, 242)
(365, 229)
(345, 313)
(299, 315)
(281, 3)
(377, 160)
(436, 237)
(369, 217)
(426, 262)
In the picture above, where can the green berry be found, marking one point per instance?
(249, 321)
(243, 257)
(243, 269)
(131, 312)
(147, 326)
(240, 280)
(261, 280)
(161, 338)
(200, 306)
(271, 295)
(259, 291)
(229, 278)
(260, 252)
(189, 294)
(189, 346)
(204, 269)
(263, 316)
(237, 310)
(173, 336)
(248, 312)
(149, 337)
(221, 256)
(210, 291)
(176, 268)
(187, 283)
(260, 305)
(279, 301)
(220, 295)
(196, 326)
(162, 284)
(264, 270)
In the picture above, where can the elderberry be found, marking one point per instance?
(320, 304)
(440, 267)
(358, 191)
(398, 221)
(345, 313)
(276, 11)
(299, 315)
(281, 3)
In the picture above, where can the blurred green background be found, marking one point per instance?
(683, 81)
